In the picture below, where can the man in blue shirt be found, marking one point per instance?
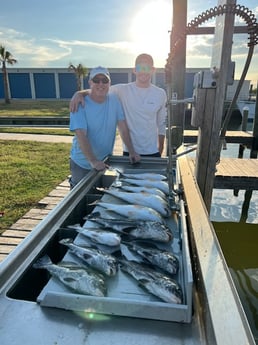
(95, 128)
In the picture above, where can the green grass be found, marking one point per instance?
(29, 171)
(59, 108)
(37, 130)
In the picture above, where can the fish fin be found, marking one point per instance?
(66, 241)
(94, 203)
(93, 215)
(74, 226)
(143, 281)
(69, 264)
(128, 244)
(101, 189)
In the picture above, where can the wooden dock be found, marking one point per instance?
(232, 137)
(19, 230)
(234, 173)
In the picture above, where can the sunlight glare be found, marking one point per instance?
(150, 30)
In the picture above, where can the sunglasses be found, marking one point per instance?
(143, 68)
(98, 80)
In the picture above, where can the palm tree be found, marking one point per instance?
(6, 58)
(80, 71)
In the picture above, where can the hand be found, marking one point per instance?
(99, 165)
(134, 158)
(77, 99)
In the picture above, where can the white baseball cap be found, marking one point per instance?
(99, 70)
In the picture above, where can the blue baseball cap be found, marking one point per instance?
(99, 70)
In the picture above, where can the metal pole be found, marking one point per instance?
(171, 197)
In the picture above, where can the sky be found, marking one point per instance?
(111, 33)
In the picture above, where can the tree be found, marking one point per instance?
(6, 58)
(80, 71)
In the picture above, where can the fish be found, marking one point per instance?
(142, 198)
(97, 235)
(116, 224)
(95, 258)
(134, 212)
(144, 176)
(75, 277)
(137, 189)
(154, 231)
(158, 284)
(162, 259)
(161, 185)
(147, 230)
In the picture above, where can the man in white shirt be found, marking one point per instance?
(144, 106)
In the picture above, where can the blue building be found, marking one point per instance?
(59, 83)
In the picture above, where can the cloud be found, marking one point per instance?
(70, 45)
(29, 51)
(32, 52)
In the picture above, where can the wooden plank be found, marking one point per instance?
(177, 68)
(50, 200)
(210, 128)
(232, 137)
(64, 184)
(212, 272)
(9, 241)
(60, 193)
(207, 144)
(36, 213)
(11, 237)
(16, 233)
(25, 224)
(7, 249)
(234, 173)
(235, 183)
(2, 257)
(235, 167)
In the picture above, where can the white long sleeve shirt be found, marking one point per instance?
(145, 113)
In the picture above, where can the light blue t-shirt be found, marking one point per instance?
(100, 122)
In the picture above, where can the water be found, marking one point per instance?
(238, 237)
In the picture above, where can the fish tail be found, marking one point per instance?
(42, 262)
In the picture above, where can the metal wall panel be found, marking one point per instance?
(119, 78)
(20, 85)
(44, 85)
(67, 84)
